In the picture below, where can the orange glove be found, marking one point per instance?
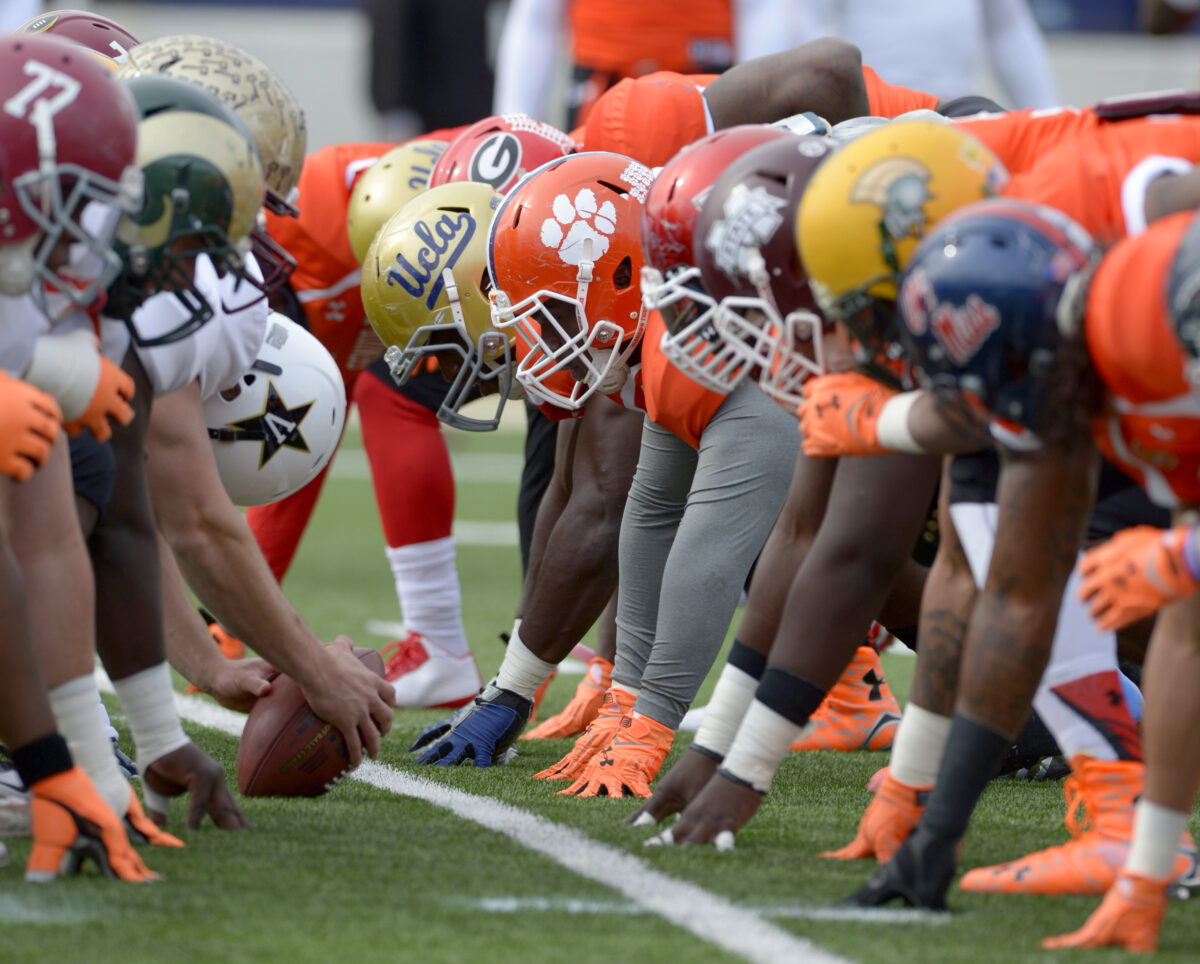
(1137, 572)
(583, 707)
(840, 415)
(114, 390)
(71, 822)
(29, 420)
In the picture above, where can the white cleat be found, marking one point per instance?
(423, 674)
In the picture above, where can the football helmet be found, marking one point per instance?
(565, 256)
(864, 213)
(1183, 299)
(256, 94)
(424, 289)
(278, 427)
(500, 150)
(68, 136)
(670, 278)
(987, 299)
(102, 36)
(747, 258)
(385, 187)
(203, 191)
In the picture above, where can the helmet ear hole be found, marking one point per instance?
(249, 379)
(624, 274)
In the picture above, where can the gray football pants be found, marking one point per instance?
(692, 528)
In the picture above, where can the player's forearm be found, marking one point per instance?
(222, 563)
(190, 648)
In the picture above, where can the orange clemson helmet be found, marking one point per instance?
(565, 257)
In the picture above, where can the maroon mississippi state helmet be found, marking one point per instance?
(748, 264)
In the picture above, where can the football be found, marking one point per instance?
(286, 750)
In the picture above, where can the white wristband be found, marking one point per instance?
(149, 702)
(730, 698)
(67, 367)
(762, 742)
(521, 671)
(892, 426)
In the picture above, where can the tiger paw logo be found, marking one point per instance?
(577, 222)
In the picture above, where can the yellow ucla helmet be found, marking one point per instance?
(424, 289)
(869, 205)
(385, 187)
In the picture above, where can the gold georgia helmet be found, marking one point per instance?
(869, 205)
(405, 288)
(385, 187)
(243, 82)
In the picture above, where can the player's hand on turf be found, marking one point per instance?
(114, 392)
(484, 733)
(238, 683)
(349, 696)
(71, 823)
(1137, 572)
(192, 771)
(29, 423)
(840, 415)
(715, 815)
(676, 789)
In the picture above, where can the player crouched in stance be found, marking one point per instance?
(67, 140)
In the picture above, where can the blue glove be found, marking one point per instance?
(484, 733)
(435, 731)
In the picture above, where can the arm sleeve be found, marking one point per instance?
(1018, 54)
(533, 38)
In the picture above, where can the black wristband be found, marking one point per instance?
(747, 660)
(45, 757)
(789, 694)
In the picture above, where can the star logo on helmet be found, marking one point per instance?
(277, 426)
(752, 216)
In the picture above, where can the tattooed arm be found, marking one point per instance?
(945, 610)
(823, 76)
(1044, 499)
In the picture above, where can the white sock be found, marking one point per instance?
(1156, 834)
(521, 671)
(79, 716)
(428, 589)
(917, 751)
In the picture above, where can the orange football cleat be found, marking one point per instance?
(1130, 917)
(889, 819)
(859, 713)
(231, 647)
(616, 704)
(72, 823)
(626, 766)
(582, 708)
(1088, 864)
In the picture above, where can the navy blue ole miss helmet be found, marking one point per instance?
(988, 298)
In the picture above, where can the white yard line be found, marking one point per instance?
(737, 930)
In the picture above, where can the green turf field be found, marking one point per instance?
(367, 874)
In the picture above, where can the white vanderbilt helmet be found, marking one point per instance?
(277, 428)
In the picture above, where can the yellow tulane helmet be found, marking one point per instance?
(869, 205)
(424, 289)
(385, 187)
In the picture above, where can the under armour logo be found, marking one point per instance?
(871, 678)
(335, 311)
(831, 404)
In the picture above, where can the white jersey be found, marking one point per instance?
(217, 353)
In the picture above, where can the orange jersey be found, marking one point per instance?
(633, 39)
(1020, 138)
(1099, 178)
(673, 400)
(1152, 429)
(892, 100)
(327, 276)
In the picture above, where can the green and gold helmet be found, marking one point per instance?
(425, 291)
(253, 91)
(203, 191)
(385, 187)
